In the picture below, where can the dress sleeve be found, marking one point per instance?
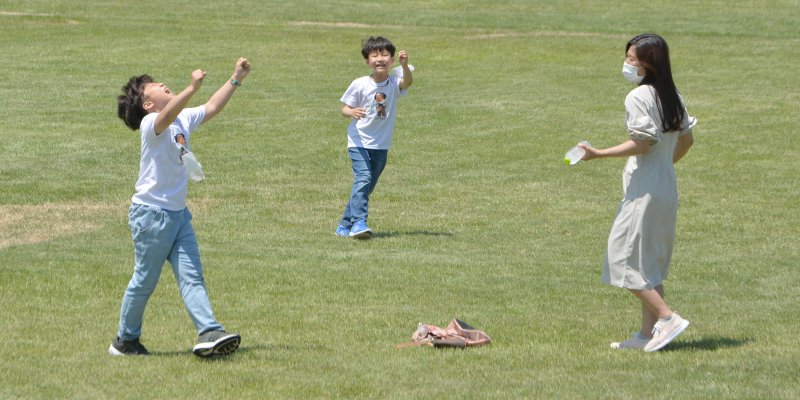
(691, 122)
(688, 121)
(640, 123)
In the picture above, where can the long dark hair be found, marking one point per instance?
(653, 54)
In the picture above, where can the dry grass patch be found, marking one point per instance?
(37, 223)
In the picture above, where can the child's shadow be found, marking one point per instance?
(708, 344)
(391, 234)
(242, 350)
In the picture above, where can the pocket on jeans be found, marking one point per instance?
(142, 218)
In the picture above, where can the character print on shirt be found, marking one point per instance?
(180, 141)
(380, 104)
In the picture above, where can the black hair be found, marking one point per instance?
(378, 43)
(129, 104)
(653, 54)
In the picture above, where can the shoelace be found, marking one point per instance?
(656, 329)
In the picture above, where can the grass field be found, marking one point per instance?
(476, 217)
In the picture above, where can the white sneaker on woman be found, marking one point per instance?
(665, 331)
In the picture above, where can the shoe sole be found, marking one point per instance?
(361, 235)
(618, 346)
(114, 352)
(222, 346)
(682, 327)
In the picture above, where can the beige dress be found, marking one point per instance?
(643, 232)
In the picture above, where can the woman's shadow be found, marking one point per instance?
(708, 343)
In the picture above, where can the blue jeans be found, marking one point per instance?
(160, 235)
(368, 165)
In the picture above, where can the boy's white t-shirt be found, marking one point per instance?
(373, 131)
(163, 181)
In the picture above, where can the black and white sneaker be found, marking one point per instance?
(127, 348)
(213, 343)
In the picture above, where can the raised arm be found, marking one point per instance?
(167, 115)
(220, 98)
(408, 77)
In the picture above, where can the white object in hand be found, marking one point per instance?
(398, 71)
(575, 154)
(193, 167)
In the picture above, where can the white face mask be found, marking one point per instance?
(631, 73)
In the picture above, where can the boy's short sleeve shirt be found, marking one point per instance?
(163, 180)
(373, 131)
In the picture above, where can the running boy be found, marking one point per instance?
(370, 102)
(159, 220)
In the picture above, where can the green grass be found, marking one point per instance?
(475, 215)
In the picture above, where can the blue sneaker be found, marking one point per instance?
(360, 230)
(342, 231)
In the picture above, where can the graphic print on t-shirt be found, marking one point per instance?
(180, 141)
(380, 104)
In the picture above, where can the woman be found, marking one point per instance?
(642, 236)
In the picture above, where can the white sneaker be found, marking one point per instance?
(664, 332)
(636, 342)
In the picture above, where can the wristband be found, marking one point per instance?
(235, 83)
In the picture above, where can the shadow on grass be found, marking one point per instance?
(242, 350)
(390, 234)
(707, 343)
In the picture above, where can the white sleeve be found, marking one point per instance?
(352, 97)
(641, 125)
(688, 122)
(148, 125)
(195, 116)
(402, 92)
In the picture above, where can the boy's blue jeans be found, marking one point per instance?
(160, 235)
(368, 165)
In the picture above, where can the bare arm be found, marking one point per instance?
(408, 77)
(168, 114)
(353, 112)
(631, 147)
(220, 98)
(682, 147)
